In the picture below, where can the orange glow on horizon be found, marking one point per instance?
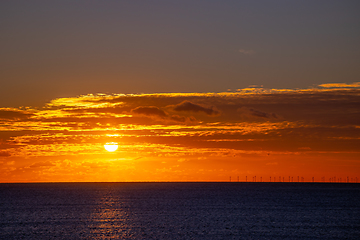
(185, 137)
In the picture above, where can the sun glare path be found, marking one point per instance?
(111, 147)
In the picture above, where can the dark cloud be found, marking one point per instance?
(188, 106)
(13, 114)
(42, 164)
(161, 115)
(251, 112)
(149, 111)
(182, 119)
(4, 154)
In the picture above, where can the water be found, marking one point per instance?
(180, 211)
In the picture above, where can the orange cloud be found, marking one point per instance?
(340, 85)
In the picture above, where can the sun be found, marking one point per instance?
(111, 147)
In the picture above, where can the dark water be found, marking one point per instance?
(180, 211)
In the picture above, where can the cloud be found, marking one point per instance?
(42, 164)
(149, 111)
(340, 85)
(4, 154)
(182, 119)
(251, 117)
(14, 114)
(247, 52)
(90, 100)
(96, 110)
(187, 106)
(250, 112)
(155, 128)
(161, 115)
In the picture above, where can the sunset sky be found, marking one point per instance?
(188, 90)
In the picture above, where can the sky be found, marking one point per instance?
(188, 90)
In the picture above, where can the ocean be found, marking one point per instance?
(180, 211)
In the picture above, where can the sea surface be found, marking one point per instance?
(180, 211)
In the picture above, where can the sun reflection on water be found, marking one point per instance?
(110, 218)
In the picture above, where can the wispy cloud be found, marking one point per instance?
(247, 52)
(340, 85)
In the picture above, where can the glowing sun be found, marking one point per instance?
(111, 147)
